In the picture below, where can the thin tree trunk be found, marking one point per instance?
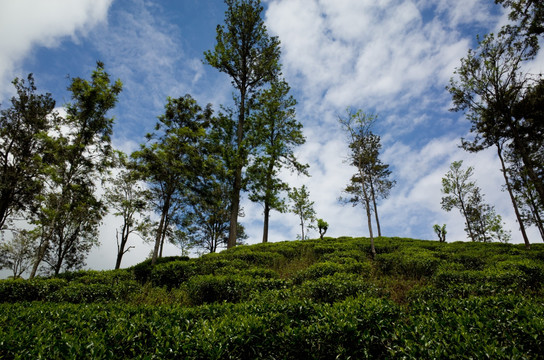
(368, 213)
(512, 197)
(302, 226)
(375, 209)
(163, 236)
(160, 230)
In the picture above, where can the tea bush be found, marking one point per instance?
(172, 274)
(410, 261)
(29, 290)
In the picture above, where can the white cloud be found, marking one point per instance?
(26, 24)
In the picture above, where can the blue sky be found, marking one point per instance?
(390, 57)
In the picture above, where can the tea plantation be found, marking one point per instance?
(308, 299)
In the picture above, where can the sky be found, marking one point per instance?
(392, 58)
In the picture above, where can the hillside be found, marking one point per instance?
(308, 299)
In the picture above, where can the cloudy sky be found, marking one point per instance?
(392, 58)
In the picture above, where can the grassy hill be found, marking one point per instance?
(308, 299)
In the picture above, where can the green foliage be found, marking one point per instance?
(290, 300)
(411, 261)
(23, 142)
(303, 208)
(142, 271)
(19, 290)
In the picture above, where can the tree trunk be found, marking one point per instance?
(302, 226)
(235, 203)
(512, 197)
(265, 222)
(521, 149)
(375, 209)
(160, 230)
(368, 212)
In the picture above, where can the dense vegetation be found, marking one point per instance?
(320, 299)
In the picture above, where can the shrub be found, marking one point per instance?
(212, 264)
(336, 287)
(29, 290)
(88, 293)
(326, 268)
(142, 271)
(206, 289)
(411, 262)
(172, 274)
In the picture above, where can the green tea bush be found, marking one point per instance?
(492, 279)
(336, 287)
(172, 274)
(342, 256)
(411, 262)
(326, 268)
(255, 258)
(29, 290)
(260, 272)
(142, 271)
(206, 289)
(110, 277)
(533, 271)
(79, 293)
(500, 327)
(215, 264)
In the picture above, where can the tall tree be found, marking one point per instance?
(24, 128)
(17, 254)
(172, 161)
(528, 18)
(79, 155)
(489, 88)
(129, 199)
(246, 53)
(371, 179)
(303, 208)
(481, 222)
(276, 133)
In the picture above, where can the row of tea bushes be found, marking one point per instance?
(500, 327)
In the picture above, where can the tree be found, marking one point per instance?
(323, 226)
(440, 232)
(276, 132)
(528, 17)
(460, 192)
(79, 154)
(491, 86)
(128, 198)
(250, 57)
(24, 128)
(173, 161)
(18, 253)
(371, 179)
(303, 208)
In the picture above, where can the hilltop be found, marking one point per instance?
(318, 299)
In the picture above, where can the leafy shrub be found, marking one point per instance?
(336, 287)
(411, 262)
(172, 274)
(255, 258)
(259, 272)
(326, 268)
(533, 271)
(88, 293)
(142, 271)
(216, 264)
(29, 290)
(205, 289)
